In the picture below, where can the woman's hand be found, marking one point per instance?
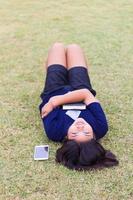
(90, 98)
(46, 109)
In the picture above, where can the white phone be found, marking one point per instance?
(41, 152)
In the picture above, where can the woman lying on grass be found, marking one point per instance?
(67, 81)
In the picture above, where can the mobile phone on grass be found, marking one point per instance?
(41, 152)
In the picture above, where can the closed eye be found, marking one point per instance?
(85, 133)
(74, 134)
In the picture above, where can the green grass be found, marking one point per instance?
(27, 30)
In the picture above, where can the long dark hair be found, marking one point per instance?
(85, 155)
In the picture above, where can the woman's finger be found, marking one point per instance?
(44, 114)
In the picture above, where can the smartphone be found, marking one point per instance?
(41, 152)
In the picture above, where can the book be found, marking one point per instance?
(74, 106)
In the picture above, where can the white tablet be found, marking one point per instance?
(41, 152)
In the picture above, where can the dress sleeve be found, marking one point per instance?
(53, 125)
(99, 115)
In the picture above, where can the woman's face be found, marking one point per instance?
(80, 131)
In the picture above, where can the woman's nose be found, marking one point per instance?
(80, 127)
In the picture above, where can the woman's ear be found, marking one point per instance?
(109, 159)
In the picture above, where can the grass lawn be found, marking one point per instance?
(27, 29)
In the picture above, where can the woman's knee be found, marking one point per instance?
(58, 45)
(73, 46)
(56, 54)
(75, 56)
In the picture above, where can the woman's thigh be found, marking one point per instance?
(56, 55)
(56, 71)
(75, 56)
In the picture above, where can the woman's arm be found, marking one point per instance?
(90, 98)
(72, 97)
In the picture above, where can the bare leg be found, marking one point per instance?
(56, 55)
(75, 56)
(77, 68)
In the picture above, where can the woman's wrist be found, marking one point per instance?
(52, 102)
